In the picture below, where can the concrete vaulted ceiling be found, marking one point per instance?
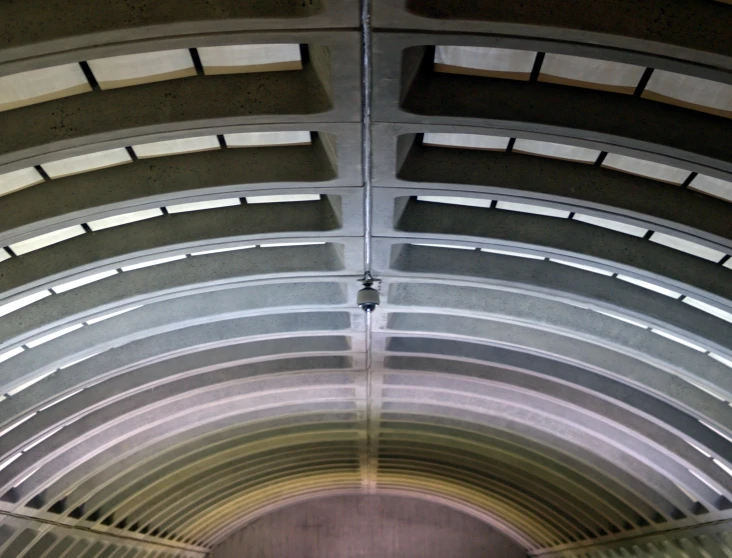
(542, 190)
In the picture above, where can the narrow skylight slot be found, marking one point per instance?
(713, 429)
(16, 424)
(535, 209)
(26, 477)
(8, 461)
(83, 281)
(42, 438)
(484, 61)
(697, 448)
(707, 483)
(146, 67)
(592, 73)
(176, 147)
(111, 315)
(17, 180)
(77, 361)
(287, 198)
(704, 389)
(556, 150)
(679, 340)
(152, 263)
(451, 246)
(583, 267)
(11, 353)
(237, 59)
(612, 225)
(52, 336)
(649, 286)
(689, 247)
(86, 163)
(29, 383)
(266, 139)
(509, 253)
(709, 309)
(690, 92)
(722, 466)
(471, 202)
(38, 86)
(282, 244)
(649, 169)
(622, 318)
(219, 250)
(38, 242)
(57, 401)
(118, 220)
(198, 206)
(22, 302)
(706, 184)
(467, 141)
(725, 361)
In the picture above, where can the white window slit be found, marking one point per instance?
(451, 200)
(38, 242)
(282, 244)
(612, 225)
(235, 59)
(83, 281)
(514, 254)
(535, 209)
(52, 336)
(17, 423)
(686, 246)
(623, 319)
(721, 359)
(649, 286)
(704, 481)
(466, 141)
(451, 246)
(724, 467)
(23, 302)
(29, 383)
(219, 250)
(153, 262)
(283, 198)
(484, 61)
(18, 180)
(8, 461)
(26, 477)
(267, 139)
(679, 340)
(57, 401)
(111, 315)
(583, 267)
(716, 430)
(176, 147)
(117, 220)
(46, 436)
(11, 353)
(198, 206)
(86, 163)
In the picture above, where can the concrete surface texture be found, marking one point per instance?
(366, 526)
(191, 195)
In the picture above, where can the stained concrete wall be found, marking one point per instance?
(367, 527)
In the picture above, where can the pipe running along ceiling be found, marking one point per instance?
(548, 201)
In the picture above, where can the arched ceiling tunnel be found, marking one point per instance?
(191, 191)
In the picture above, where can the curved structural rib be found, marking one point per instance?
(180, 354)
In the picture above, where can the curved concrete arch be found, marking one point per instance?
(202, 393)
